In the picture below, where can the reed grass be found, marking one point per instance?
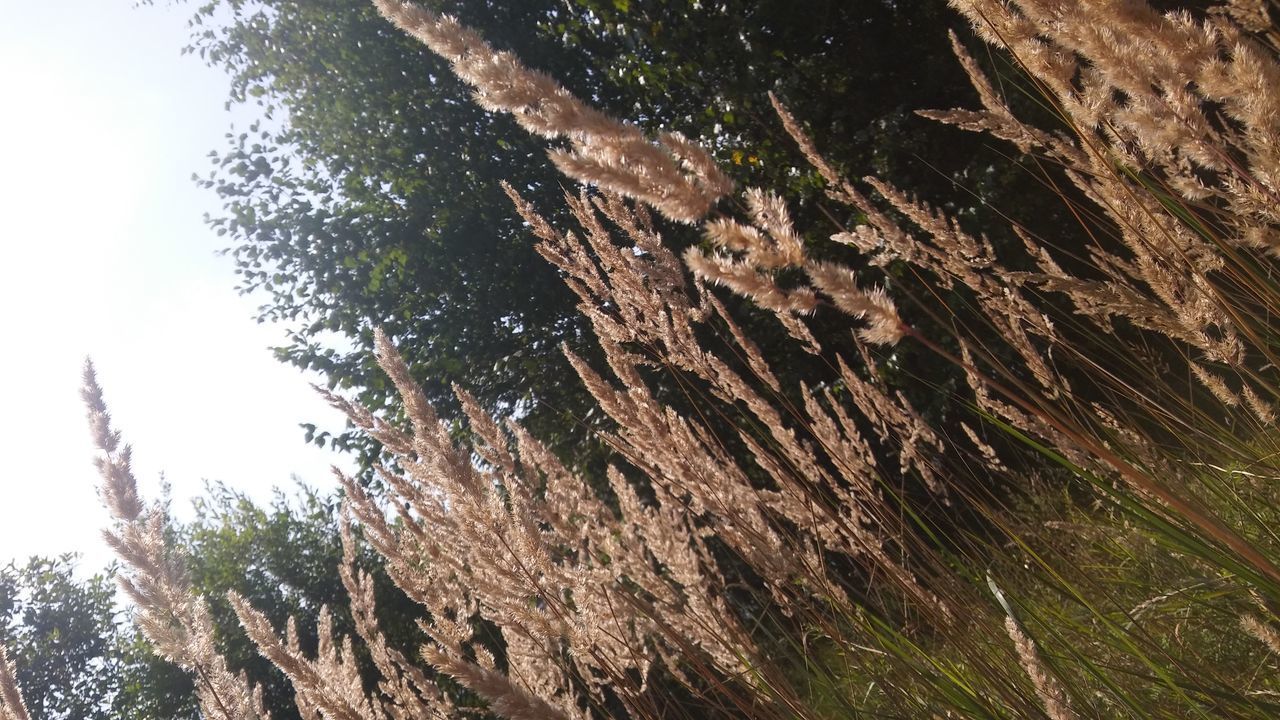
(1090, 533)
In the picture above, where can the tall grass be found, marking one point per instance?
(1086, 530)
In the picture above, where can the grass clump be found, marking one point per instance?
(1080, 525)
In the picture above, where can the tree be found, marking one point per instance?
(368, 194)
(64, 637)
(79, 656)
(282, 558)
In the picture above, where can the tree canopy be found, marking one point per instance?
(63, 637)
(368, 192)
(80, 657)
(282, 557)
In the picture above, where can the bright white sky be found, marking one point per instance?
(103, 252)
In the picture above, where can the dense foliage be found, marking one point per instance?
(369, 192)
(63, 633)
(79, 655)
(281, 557)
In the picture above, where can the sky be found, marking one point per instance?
(104, 253)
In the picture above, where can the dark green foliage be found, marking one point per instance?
(79, 658)
(63, 636)
(368, 192)
(283, 558)
(151, 687)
